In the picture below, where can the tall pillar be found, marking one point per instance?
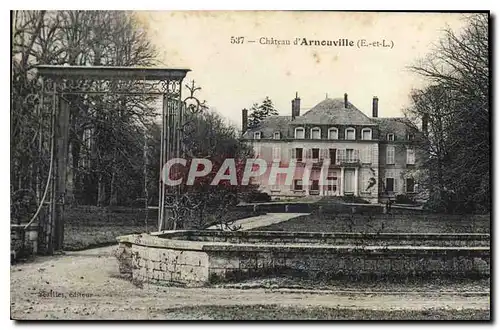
(62, 132)
(306, 177)
(341, 185)
(356, 181)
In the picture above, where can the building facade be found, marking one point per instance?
(337, 151)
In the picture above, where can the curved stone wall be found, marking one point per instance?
(197, 258)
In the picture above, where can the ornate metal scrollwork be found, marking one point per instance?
(115, 86)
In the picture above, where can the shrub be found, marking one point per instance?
(257, 197)
(405, 199)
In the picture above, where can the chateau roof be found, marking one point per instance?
(332, 111)
(398, 126)
(270, 125)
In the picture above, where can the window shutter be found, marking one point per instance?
(395, 186)
(308, 153)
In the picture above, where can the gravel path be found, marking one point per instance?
(262, 220)
(86, 285)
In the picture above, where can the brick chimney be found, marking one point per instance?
(296, 106)
(425, 123)
(375, 107)
(346, 103)
(244, 121)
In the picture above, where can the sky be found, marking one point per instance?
(234, 76)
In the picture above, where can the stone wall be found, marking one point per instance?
(148, 259)
(189, 258)
(340, 238)
(337, 262)
(23, 241)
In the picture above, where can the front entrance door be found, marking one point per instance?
(349, 181)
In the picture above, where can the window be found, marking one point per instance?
(257, 151)
(366, 134)
(333, 156)
(332, 183)
(298, 154)
(366, 156)
(315, 185)
(349, 155)
(411, 137)
(410, 156)
(277, 153)
(315, 153)
(316, 133)
(299, 133)
(297, 184)
(333, 133)
(350, 134)
(389, 184)
(390, 155)
(390, 137)
(276, 135)
(256, 135)
(410, 185)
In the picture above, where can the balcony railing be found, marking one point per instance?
(348, 156)
(343, 157)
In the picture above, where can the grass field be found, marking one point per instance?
(403, 223)
(276, 312)
(88, 227)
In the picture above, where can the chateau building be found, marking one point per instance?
(337, 150)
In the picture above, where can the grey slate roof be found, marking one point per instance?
(395, 125)
(332, 111)
(270, 125)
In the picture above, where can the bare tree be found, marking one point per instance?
(105, 131)
(456, 105)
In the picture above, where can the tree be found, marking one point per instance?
(207, 136)
(259, 112)
(106, 132)
(456, 105)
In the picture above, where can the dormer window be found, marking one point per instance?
(333, 133)
(411, 137)
(366, 134)
(299, 133)
(350, 133)
(316, 133)
(390, 137)
(256, 135)
(276, 135)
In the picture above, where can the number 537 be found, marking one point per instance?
(237, 40)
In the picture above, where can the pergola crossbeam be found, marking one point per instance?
(111, 72)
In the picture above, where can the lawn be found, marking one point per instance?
(89, 227)
(276, 312)
(417, 222)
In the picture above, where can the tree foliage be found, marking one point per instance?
(208, 136)
(106, 132)
(456, 105)
(260, 111)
